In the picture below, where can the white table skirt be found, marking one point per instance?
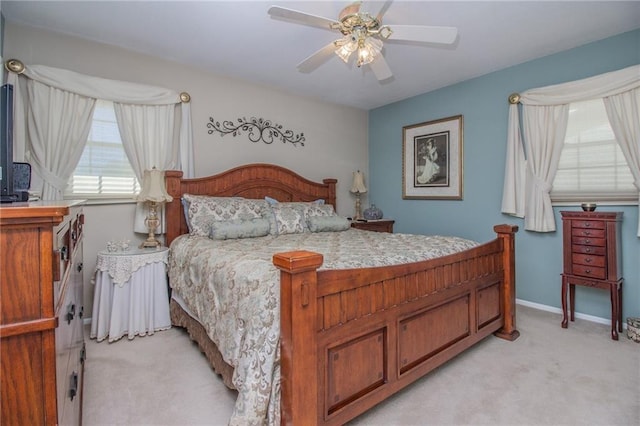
(138, 307)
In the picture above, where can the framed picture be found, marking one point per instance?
(432, 159)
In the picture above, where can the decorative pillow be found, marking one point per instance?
(204, 210)
(328, 223)
(234, 229)
(288, 219)
(313, 210)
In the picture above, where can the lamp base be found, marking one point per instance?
(358, 215)
(150, 243)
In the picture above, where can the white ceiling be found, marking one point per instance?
(239, 38)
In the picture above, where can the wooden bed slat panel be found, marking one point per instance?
(424, 334)
(363, 360)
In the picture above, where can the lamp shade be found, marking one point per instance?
(153, 187)
(358, 183)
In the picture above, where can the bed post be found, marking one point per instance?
(507, 234)
(298, 346)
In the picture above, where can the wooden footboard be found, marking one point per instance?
(351, 338)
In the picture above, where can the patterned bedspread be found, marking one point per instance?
(233, 288)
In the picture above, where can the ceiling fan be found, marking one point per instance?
(363, 35)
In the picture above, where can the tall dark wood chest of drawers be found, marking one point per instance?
(593, 258)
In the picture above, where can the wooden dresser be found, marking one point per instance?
(382, 225)
(593, 258)
(41, 331)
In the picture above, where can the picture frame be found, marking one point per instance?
(432, 159)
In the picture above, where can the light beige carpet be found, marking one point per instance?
(549, 376)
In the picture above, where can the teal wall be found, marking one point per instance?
(483, 103)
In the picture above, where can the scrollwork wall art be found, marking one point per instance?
(257, 129)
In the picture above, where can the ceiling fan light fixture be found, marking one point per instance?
(345, 47)
(368, 50)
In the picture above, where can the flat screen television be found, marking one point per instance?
(7, 193)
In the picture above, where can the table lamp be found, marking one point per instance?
(154, 192)
(358, 188)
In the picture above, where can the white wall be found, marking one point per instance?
(336, 136)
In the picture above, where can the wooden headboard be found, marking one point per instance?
(254, 181)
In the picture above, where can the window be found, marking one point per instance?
(592, 166)
(104, 170)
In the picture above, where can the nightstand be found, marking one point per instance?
(382, 225)
(131, 294)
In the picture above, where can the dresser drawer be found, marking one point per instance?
(590, 224)
(588, 260)
(587, 232)
(599, 250)
(589, 241)
(589, 271)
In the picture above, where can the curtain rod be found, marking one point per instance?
(16, 66)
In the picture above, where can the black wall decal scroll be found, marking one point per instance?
(258, 129)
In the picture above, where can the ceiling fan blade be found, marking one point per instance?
(375, 9)
(425, 34)
(317, 59)
(301, 17)
(380, 68)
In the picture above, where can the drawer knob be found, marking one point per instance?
(588, 260)
(588, 271)
(73, 385)
(587, 224)
(83, 353)
(64, 253)
(588, 250)
(71, 313)
(587, 232)
(588, 241)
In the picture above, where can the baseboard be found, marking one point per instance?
(592, 318)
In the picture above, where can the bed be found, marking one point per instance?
(347, 338)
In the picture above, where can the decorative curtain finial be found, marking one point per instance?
(185, 97)
(14, 65)
(514, 98)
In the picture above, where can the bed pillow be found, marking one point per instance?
(287, 220)
(328, 223)
(314, 210)
(238, 228)
(203, 210)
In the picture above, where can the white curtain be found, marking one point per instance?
(147, 133)
(523, 175)
(59, 124)
(547, 126)
(99, 88)
(623, 111)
